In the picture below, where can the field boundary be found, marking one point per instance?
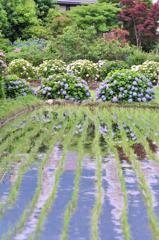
(101, 104)
(13, 116)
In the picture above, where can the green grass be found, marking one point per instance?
(11, 106)
(156, 100)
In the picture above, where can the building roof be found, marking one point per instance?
(75, 2)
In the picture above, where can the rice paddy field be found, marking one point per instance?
(80, 173)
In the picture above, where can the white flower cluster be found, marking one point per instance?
(22, 69)
(84, 69)
(50, 67)
(150, 69)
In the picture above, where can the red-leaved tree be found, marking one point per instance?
(117, 34)
(142, 22)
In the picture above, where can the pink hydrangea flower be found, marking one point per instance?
(2, 54)
(17, 50)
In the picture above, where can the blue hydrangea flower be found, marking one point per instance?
(121, 89)
(134, 83)
(144, 99)
(115, 99)
(103, 98)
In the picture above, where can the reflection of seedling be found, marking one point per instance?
(58, 174)
(73, 202)
(97, 207)
(142, 183)
(119, 133)
(50, 141)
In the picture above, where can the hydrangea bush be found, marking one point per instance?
(150, 69)
(22, 68)
(51, 67)
(64, 86)
(2, 68)
(125, 86)
(105, 67)
(84, 69)
(15, 86)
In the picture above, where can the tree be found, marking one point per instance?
(43, 7)
(117, 34)
(3, 18)
(141, 21)
(102, 16)
(57, 21)
(21, 15)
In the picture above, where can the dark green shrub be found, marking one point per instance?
(105, 67)
(32, 50)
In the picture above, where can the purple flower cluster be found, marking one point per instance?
(64, 86)
(16, 87)
(125, 86)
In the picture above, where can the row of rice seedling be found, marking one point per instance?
(49, 139)
(113, 130)
(98, 204)
(58, 172)
(112, 149)
(72, 205)
(142, 183)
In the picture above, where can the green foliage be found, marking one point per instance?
(2, 69)
(50, 67)
(43, 7)
(3, 18)
(103, 16)
(1, 87)
(22, 68)
(11, 106)
(125, 85)
(106, 67)
(84, 69)
(64, 86)
(136, 57)
(5, 44)
(32, 50)
(76, 44)
(150, 69)
(21, 17)
(57, 21)
(73, 44)
(16, 87)
(153, 56)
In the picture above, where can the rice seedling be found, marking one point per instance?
(99, 132)
(112, 148)
(142, 184)
(71, 207)
(97, 208)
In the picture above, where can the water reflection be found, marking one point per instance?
(46, 189)
(137, 212)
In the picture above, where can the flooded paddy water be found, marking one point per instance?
(77, 173)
